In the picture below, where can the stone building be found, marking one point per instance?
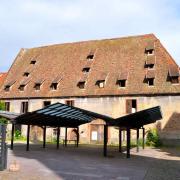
(111, 76)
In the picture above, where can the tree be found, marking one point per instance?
(2, 108)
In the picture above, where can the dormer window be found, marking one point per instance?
(33, 62)
(174, 80)
(23, 84)
(21, 87)
(122, 78)
(86, 70)
(101, 83)
(173, 74)
(90, 56)
(150, 66)
(150, 76)
(81, 84)
(54, 86)
(150, 62)
(37, 86)
(122, 83)
(8, 86)
(149, 50)
(26, 74)
(150, 81)
(55, 82)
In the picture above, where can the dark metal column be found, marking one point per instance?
(137, 140)
(66, 137)
(120, 140)
(77, 137)
(12, 136)
(128, 142)
(44, 136)
(105, 139)
(143, 143)
(58, 134)
(28, 133)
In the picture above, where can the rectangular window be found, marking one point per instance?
(81, 85)
(54, 86)
(46, 103)
(70, 102)
(24, 107)
(7, 106)
(122, 83)
(131, 106)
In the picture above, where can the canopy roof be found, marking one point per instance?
(60, 115)
(139, 119)
(63, 115)
(8, 115)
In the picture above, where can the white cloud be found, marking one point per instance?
(40, 22)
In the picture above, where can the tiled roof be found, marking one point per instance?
(2, 78)
(110, 58)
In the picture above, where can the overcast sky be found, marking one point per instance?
(32, 23)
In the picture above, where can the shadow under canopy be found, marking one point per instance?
(61, 115)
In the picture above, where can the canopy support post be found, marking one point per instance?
(137, 140)
(28, 132)
(105, 140)
(58, 134)
(44, 136)
(120, 140)
(77, 137)
(12, 136)
(128, 142)
(66, 137)
(143, 143)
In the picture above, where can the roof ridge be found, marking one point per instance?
(94, 40)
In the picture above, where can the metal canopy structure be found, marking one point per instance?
(9, 115)
(138, 119)
(59, 115)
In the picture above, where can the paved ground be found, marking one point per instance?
(87, 162)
